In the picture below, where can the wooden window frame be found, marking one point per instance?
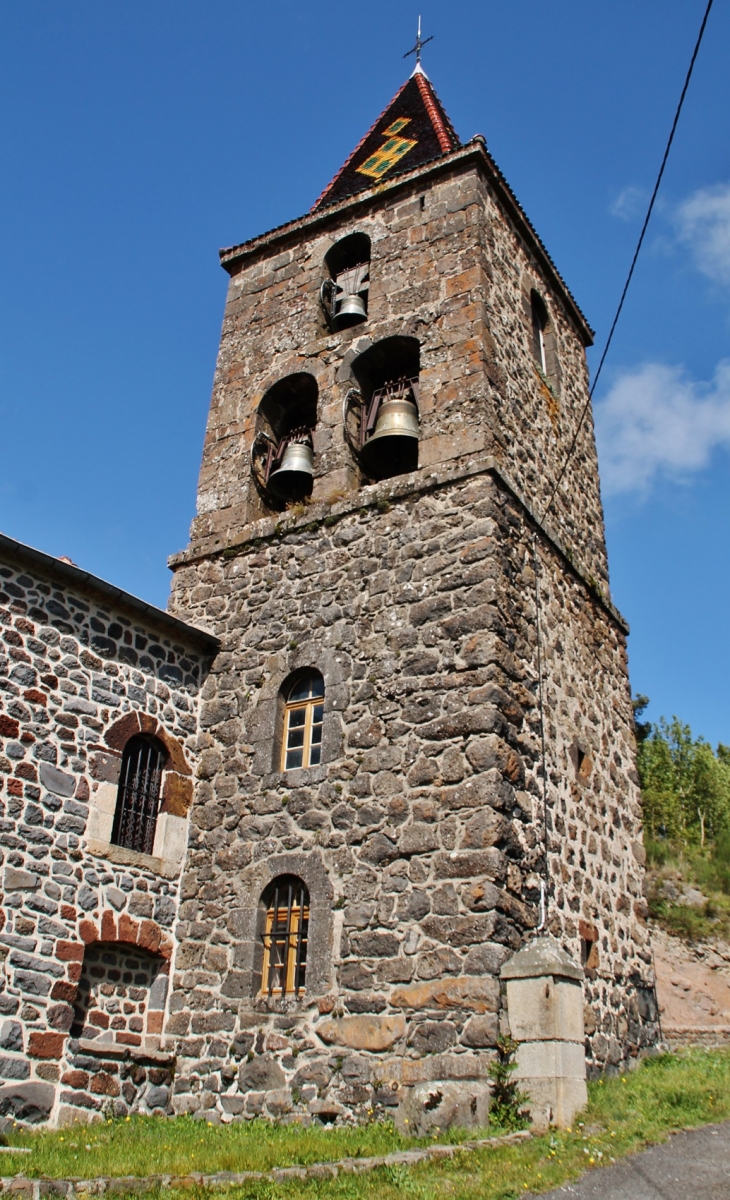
(308, 707)
(285, 938)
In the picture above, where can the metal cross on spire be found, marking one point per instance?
(419, 45)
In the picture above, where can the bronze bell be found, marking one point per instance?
(292, 479)
(350, 310)
(351, 287)
(393, 447)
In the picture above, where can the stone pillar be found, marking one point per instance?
(545, 1008)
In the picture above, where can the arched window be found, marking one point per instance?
(539, 326)
(387, 375)
(282, 452)
(138, 797)
(303, 718)
(344, 294)
(286, 929)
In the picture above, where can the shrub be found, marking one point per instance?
(507, 1100)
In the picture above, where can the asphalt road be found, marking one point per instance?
(690, 1166)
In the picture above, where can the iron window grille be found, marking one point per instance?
(138, 797)
(285, 937)
(303, 720)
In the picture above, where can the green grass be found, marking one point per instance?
(624, 1114)
(176, 1146)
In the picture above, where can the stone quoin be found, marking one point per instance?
(273, 852)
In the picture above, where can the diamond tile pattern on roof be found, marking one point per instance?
(412, 130)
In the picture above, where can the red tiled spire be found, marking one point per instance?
(441, 123)
(413, 129)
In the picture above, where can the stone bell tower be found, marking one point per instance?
(374, 832)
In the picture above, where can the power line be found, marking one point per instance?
(649, 211)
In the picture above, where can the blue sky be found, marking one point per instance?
(136, 139)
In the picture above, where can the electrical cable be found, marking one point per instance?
(649, 211)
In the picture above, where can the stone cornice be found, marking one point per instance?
(390, 491)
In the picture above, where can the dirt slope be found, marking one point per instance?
(693, 983)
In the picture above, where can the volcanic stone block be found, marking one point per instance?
(31, 1102)
(363, 1032)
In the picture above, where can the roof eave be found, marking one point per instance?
(233, 257)
(68, 573)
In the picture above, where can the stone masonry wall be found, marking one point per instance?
(448, 268)
(78, 676)
(420, 837)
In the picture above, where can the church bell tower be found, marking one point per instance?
(416, 753)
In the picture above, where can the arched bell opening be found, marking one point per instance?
(387, 375)
(344, 293)
(282, 454)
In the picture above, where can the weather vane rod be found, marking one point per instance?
(419, 45)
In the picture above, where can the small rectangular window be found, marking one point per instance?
(539, 325)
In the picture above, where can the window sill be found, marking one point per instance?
(547, 381)
(105, 1048)
(279, 1004)
(134, 858)
(297, 776)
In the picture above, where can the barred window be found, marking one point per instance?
(138, 797)
(285, 937)
(302, 741)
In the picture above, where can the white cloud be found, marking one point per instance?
(629, 204)
(703, 224)
(655, 422)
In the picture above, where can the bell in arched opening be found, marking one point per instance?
(390, 435)
(350, 301)
(291, 470)
(344, 294)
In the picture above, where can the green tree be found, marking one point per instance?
(685, 784)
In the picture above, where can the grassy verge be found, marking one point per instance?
(624, 1114)
(156, 1146)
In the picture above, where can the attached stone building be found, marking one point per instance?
(93, 682)
(401, 376)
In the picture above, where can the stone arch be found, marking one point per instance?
(177, 784)
(114, 1012)
(344, 292)
(310, 869)
(289, 402)
(264, 719)
(121, 994)
(145, 935)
